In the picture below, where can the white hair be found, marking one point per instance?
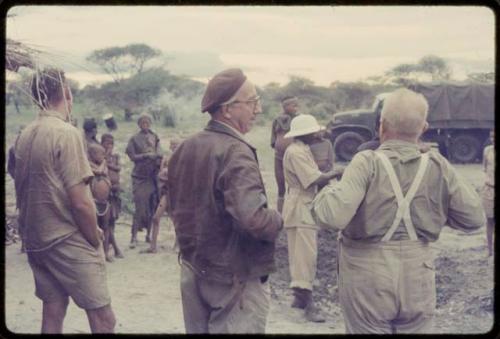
(405, 112)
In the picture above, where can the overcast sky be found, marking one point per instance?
(269, 43)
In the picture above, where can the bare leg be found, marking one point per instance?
(104, 225)
(112, 240)
(53, 314)
(156, 224)
(101, 320)
(490, 227)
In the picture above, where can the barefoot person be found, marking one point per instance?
(114, 168)
(488, 193)
(390, 204)
(162, 205)
(144, 150)
(62, 238)
(217, 202)
(281, 125)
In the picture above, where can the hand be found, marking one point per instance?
(100, 234)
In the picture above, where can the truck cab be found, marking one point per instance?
(350, 129)
(460, 117)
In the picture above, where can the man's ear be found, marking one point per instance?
(426, 126)
(226, 111)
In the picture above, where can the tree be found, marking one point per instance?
(436, 66)
(428, 66)
(121, 61)
(482, 77)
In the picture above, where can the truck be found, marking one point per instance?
(460, 117)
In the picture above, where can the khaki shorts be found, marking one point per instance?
(71, 268)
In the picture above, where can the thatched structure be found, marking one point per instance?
(18, 55)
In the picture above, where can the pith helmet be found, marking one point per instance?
(303, 124)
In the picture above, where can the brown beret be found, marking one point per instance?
(221, 88)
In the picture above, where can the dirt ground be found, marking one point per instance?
(146, 297)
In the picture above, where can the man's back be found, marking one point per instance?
(369, 204)
(216, 198)
(50, 158)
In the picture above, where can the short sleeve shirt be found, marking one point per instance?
(300, 172)
(50, 159)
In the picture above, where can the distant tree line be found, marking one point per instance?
(141, 82)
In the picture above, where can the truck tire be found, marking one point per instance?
(346, 145)
(464, 148)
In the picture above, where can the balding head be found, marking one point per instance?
(403, 116)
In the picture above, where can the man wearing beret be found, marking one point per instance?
(144, 150)
(281, 125)
(225, 230)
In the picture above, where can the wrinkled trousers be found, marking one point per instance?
(387, 287)
(212, 307)
(302, 256)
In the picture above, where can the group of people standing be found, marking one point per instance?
(388, 205)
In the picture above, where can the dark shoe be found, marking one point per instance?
(298, 298)
(314, 314)
(147, 238)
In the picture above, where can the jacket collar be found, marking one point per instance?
(407, 151)
(218, 127)
(51, 113)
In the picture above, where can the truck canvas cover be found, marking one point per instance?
(452, 102)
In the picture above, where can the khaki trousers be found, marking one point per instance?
(302, 256)
(387, 287)
(211, 307)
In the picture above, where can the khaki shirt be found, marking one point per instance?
(58, 162)
(300, 172)
(363, 204)
(489, 165)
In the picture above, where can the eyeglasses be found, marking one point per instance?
(253, 103)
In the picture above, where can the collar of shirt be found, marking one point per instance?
(407, 151)
(51, 113)
(300, 143)
(238, 133)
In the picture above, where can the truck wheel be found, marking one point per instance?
(346, 145)
(464, 148)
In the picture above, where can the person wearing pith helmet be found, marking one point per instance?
(302, 177)
(225, 229)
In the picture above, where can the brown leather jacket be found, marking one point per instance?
(219, 209)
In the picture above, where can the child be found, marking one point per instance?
(100, 187)
(114, 168)
(162, 205)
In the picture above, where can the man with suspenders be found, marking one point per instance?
(390, 204)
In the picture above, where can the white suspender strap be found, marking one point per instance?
(424, 159)
(403, 211)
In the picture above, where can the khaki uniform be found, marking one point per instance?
(386, 271)
(300, 172)
(488, 193)
(50, 159)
